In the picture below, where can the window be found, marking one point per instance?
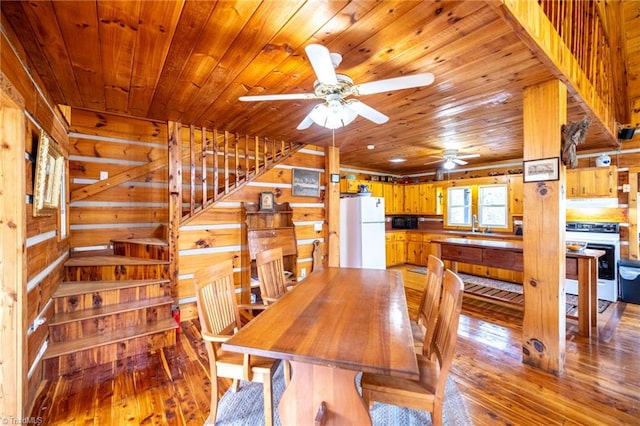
(492, 206)
(459, 206)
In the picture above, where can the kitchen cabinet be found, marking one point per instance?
(393, 198)
(592, 182)
(430, 199)
(516, 194)
(411, 198)
(418, 248)
(395, 248)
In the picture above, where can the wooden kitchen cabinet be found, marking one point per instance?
(393, 198)
(516, 195)
(592, 182)
(429, 202)
(395, 248)
(411, 198)
(418, 248)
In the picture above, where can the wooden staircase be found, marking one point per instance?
(119, 305)
(111, 307)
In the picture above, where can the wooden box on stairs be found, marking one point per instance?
(111, 307)
(264, 230)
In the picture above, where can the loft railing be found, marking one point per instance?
(581, 27)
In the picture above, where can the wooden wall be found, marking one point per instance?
(45, 241)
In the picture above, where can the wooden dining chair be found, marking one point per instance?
(273, 284)
(428, 308)
(426, 393)
(219, 316)
(271, 275)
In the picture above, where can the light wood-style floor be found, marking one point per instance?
(600, 384)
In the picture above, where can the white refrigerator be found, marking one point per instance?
(362, 242)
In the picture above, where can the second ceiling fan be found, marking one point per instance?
(336, 110)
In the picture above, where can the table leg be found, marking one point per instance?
(584, 296)
(311, 385)
(594, 293)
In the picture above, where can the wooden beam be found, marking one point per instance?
(332, 202)
(544, 323)
(13, 286)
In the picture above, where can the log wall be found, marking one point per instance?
(46, 239)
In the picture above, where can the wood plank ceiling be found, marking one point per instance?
(190, 61)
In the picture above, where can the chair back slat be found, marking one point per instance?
(271, 273)
(216, 300)
(428, 313)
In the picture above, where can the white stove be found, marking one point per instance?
(598, 236)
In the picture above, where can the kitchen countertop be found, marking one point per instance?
(464, 234)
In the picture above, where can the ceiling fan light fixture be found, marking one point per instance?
(332, 114)
(449, 164)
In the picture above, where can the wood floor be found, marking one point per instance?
(600, 384)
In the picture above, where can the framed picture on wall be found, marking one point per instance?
(305, 183)
(541, 170)
(48, 176)
(267, 203)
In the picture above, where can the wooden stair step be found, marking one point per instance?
(65, 348)
(148, 241)
(63, 318)
(112, 260)
(74, 288)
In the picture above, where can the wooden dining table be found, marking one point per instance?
(334, 324)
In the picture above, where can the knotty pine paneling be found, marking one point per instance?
(307, 232)
(189, 263)
(86, 169)
(205, 238)
(97, 237)
(89, 122)
(83, 215)
(116, 149)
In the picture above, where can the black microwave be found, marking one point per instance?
(404, 222)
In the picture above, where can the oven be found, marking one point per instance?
(599, 236)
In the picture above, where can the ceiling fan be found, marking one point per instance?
(336, 110)
(451, 158)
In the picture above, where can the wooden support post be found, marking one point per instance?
(332, 202)
(246, 157)
(544, 322)
(216, 165)
(256, 155)
(192, 169)
(175, 203)
(633, 214)
(226, 162)
(236, 156)
(13, 274)
(205, 150)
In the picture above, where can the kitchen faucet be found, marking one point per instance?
(474, 223)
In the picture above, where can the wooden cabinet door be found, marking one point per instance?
(516, 192)
(387, 193)
(428, 199)
(592, 182)
(411, 198)
(376, 189)
(573, 184)
(414, 252)
(398, 198)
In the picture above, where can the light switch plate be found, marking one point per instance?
(626, 188)
(317, 227)
(104, 175)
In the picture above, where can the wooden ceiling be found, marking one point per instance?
(190, 61)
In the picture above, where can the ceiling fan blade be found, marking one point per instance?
(459, 161)
(320, 59)
(366, 111)
(397, 83)
(468, 156)
(306, 123)
(434, 161)
(280, 97)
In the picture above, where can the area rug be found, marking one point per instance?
(572, 300)
(245, 407)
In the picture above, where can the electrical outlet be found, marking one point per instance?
(303, 272)
(104, 175)
(626, 188)
(317, 227)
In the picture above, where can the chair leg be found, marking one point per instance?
(436, 414)
(213, 411)
(268, 399)
(235, 385)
